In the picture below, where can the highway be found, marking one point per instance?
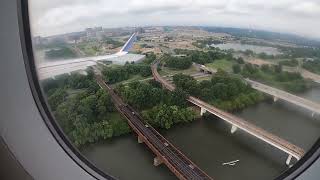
(166, 153)
(277, 93)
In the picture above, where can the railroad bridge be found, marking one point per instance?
(165, 152)
(236, 122)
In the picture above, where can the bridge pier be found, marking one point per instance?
(157, 161)
(313, 113)
(202, 111)
(288, 160)
(140, 140)
(275, 99)
(233, 129)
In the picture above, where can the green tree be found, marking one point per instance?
(187, 83)
(178, 62)
(57, 98)
(265, 68)
(278, 68)
(165, 116)
(236, 68)
(178, 97)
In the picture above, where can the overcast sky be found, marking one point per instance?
(51, 17)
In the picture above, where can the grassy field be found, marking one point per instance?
(135, 78)
(165, 71)
(221, 64)
(204, 78)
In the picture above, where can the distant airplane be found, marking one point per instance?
(231, 163)
(51, 69)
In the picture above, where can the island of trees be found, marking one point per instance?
(161, 108)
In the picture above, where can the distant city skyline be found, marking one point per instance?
(65, 16)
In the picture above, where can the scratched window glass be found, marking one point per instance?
(182, 89)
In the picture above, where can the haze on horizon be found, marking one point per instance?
(63, 16)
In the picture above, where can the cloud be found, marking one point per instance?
(60, 16)
(306, 8)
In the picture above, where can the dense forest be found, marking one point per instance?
(202, 57)
(83, 110)
(160, 107)
(274, 76)
(177, 62)
(224, 90)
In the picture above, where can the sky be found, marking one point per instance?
(50, 17)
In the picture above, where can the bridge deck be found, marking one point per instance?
(271, 139)
(312, 106)
(176, 161)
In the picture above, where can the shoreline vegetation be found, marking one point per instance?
(312, 66)
(86, 116)
(159, 107)
(223, 90)
(274, 75)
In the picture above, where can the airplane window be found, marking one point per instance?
(187, 89)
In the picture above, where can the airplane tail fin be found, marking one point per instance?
(128, 45)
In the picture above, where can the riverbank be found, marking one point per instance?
(209, 143)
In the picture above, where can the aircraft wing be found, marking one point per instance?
(51, 69)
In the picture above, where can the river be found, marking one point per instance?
(209, 143)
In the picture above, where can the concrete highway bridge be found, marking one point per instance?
(236, 122)
(165, 152)
(279, 94)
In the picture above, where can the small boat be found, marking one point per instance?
(231, 163)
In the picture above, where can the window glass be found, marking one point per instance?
(189, 89)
